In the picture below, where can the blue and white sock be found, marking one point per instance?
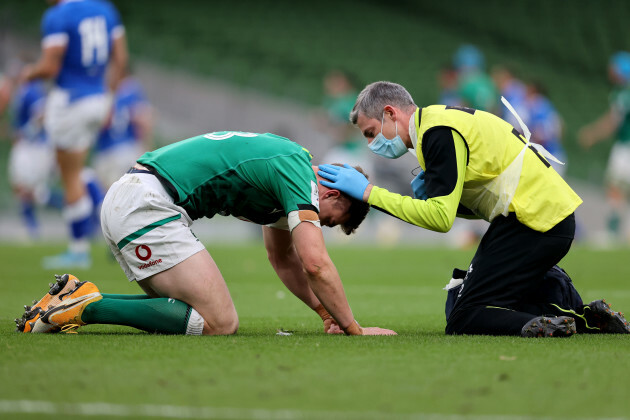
(30, 217)
(78, 215)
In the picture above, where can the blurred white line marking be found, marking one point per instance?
(184, 412)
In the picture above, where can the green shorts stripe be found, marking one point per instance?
(146, 229)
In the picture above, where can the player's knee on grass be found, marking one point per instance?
(221, 324)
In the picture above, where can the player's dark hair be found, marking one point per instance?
(358, 209)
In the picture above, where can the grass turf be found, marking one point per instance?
(421, 373)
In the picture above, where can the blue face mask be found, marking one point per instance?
(389, 148)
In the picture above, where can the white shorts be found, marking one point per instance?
(618, 170)
(145, 230)
(31, 164)
(74, 126)
(112, 163)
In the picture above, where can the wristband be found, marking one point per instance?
(353, 329)
(322, 312)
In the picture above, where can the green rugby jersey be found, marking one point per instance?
(620, 102)
(478, 91)
(256, 177)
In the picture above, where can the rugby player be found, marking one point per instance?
(80, 38)
(146, 218)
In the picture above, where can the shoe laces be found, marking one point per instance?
(70, 328)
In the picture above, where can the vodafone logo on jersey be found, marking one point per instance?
(143, 253)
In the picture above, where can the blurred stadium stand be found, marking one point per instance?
(284, 48)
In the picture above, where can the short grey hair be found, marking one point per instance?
(375, 96)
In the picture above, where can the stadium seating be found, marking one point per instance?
(286, 47)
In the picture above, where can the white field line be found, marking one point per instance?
(187, 412)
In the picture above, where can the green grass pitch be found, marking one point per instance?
(112, 371)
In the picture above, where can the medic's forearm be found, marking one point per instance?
(436, 213)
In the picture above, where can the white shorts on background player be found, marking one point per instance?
(131, 206)
(74, 125)
(31, 165)
(112, 163)
(618, 170)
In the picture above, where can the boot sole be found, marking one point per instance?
(561, 326)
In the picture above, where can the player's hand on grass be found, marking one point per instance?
(378, 331)
(345, 179)
(356, 329)
(331, 327)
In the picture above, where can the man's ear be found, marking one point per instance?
(390, 111)
(332, 194)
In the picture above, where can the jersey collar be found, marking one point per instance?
(413, 133)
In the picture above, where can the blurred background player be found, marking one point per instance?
(31, 160)
(339, 96)
(447, 80)
(127, 133)
(476, 89)
(616, 121)
(545, 124)
(515, 91)
(79, 39)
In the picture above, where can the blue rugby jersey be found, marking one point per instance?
(121, 128)
(87, 29)
(26, 107)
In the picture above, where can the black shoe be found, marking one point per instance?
(549, 326)
(599, 314)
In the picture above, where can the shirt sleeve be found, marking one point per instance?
(445, 154)
(293, 183)
(53, 29)
(115, 23)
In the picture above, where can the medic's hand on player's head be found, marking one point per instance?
(345, 179)
(418, 187)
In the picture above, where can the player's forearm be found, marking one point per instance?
(6, 89)
(144, 123)
(119, 61)
(599, 130)
(40, 70)
(48, 65)
(287, 265)
(322, 275)
(296, 281)
(327, 286)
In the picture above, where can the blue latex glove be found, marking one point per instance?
(418, 187)
(347, 180)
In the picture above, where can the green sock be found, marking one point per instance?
(159, 315)
(126, 297)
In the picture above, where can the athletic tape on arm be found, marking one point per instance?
(298, 216)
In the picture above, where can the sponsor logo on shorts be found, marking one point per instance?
(150, 264)
(143, 252)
